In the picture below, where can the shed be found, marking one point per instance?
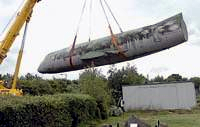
(160, 96)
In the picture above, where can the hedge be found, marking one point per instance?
(51, 110)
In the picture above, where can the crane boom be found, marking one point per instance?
(19, 58)
(23, 16)
(12, 33)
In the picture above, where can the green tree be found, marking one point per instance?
(35, 85)
(158, 78)
(29, 76)
(174, 78)
(126, 76)
(196, 81)
(94, 84)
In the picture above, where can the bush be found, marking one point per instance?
(47, 87)
(56, 110)
(95, 85)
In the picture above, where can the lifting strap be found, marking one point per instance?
(113, 16)
(75, 38)
(115, 43)
(72, 50)
(90, 21)
(114, 40)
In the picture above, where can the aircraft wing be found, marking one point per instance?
(100, 53)
(93, 55)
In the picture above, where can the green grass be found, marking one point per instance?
(173, 118)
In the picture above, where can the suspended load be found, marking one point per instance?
(131, 45)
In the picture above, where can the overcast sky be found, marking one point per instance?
(54, 22)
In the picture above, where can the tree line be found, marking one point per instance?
(106, 89)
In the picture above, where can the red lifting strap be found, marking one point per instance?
(72, 51)
(115, 42)
(114, 39)
(74, 43)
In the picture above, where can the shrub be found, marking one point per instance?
(55, 110)
(47, 87)
(95, 85)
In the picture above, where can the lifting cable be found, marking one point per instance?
(11, 19)
(75, 38)
(113, 16)
(114, 40)
(113, 37)
(90, 21)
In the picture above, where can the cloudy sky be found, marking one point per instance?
(54, 23)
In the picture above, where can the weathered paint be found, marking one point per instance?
(161, 96)
(133, 44)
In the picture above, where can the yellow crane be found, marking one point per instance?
(23, 17)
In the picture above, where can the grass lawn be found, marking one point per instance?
(173, 118)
